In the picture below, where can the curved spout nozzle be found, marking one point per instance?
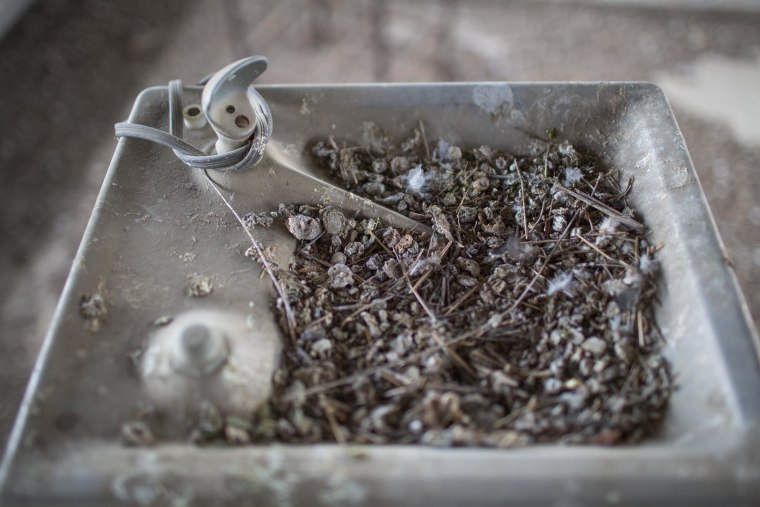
(233, 108)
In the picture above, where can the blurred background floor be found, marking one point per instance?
(71, 69)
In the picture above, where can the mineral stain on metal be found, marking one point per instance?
(526, 317)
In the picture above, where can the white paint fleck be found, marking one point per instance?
(493, 99)
(304, 111)
(679, 177)
(291, 150)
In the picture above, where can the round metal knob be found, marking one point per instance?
(227, 359)
(198, 351)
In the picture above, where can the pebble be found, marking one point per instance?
(304, 228)
(340, 276)
(595, 345)
(334, 221)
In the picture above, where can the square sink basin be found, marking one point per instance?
(158, 226)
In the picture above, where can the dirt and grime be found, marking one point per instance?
(526, 317)
(90, 59)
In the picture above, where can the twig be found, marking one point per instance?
(424, 139)
(594, 202)
(464, 297)
(430, 313)
(522, 197)
(427, 274)
(602, 253)
(264, 262)
(640, 326)
(328, 410)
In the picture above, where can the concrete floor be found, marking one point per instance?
(70, 70)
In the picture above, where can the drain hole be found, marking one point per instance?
(230, 109)
(242, 121)
(193, 111)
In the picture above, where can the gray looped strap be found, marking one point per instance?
(240, 158)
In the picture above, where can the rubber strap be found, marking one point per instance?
(238, 159)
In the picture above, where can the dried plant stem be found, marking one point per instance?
(330, 414)
(424, 139)
(602, 252)
(522, 197)
(596, 203)
(264, 262)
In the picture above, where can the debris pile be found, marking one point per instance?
(526, 317)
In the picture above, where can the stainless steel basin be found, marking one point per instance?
(158, 226)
